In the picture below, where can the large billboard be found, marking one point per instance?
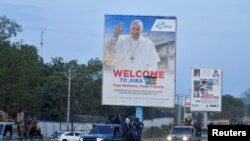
(206, 89)
(139, 61)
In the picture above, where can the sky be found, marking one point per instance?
(210, 34)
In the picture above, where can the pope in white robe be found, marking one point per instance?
(131, 51)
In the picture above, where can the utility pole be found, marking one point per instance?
(181, 99)
(179, 110)
(70, 76)
(41, 43)
(184, 108)
(204, 119)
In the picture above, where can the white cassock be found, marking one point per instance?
(133, 54)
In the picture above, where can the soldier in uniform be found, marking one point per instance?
(20, 122)
(197, 126)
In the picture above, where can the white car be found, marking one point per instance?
(70, 136)
(182, 133)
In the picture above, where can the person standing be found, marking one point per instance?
(127, 130)
(197, 126)
(139, 126)
(20, 122)
(32, 123)
(3, 116)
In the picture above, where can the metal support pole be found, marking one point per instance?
(68, 106)
(139, 113)
(184, 108)
(205, 119)
(69, 76)
(179, 111)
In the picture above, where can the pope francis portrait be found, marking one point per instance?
(131, 51)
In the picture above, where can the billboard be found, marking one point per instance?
(206, 89)
(139, 61)
(186, 102)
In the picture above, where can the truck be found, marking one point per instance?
(104, 132)
(9, 132)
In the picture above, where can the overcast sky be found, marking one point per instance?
(210, 34)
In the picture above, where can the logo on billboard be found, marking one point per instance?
(164, 25)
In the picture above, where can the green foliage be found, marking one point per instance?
(19, 84)
(230, 106)
(152, 132)
(152, 112)
(89, 90)
(8, 28)
(246, 96)
(246, 99)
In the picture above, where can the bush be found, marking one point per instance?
(152, 132)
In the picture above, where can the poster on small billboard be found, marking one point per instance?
(139, 61)
(206, 89)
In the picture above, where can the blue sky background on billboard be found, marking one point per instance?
(210, 34)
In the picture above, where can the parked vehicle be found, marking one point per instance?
(9, 132)
(204, 134)
(104, 132)
(55, 136)
(181, 133)
(70, 136)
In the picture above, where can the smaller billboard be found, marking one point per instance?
(206, 89)
(186, 102)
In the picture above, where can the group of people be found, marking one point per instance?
(131, 130)
(25, 126)
(197, 125)
(235, 121)
(187, 122)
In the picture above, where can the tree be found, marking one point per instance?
(55, 90)
(231, 106)
(246, 95)
(89, 90)
(20, 73)
(246, 98)
(8, 28)
(20, 77)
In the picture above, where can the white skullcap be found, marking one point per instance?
(137, 21)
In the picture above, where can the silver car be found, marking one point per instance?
(181, 133)
(204, 134)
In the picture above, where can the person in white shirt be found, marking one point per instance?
(131, 51)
